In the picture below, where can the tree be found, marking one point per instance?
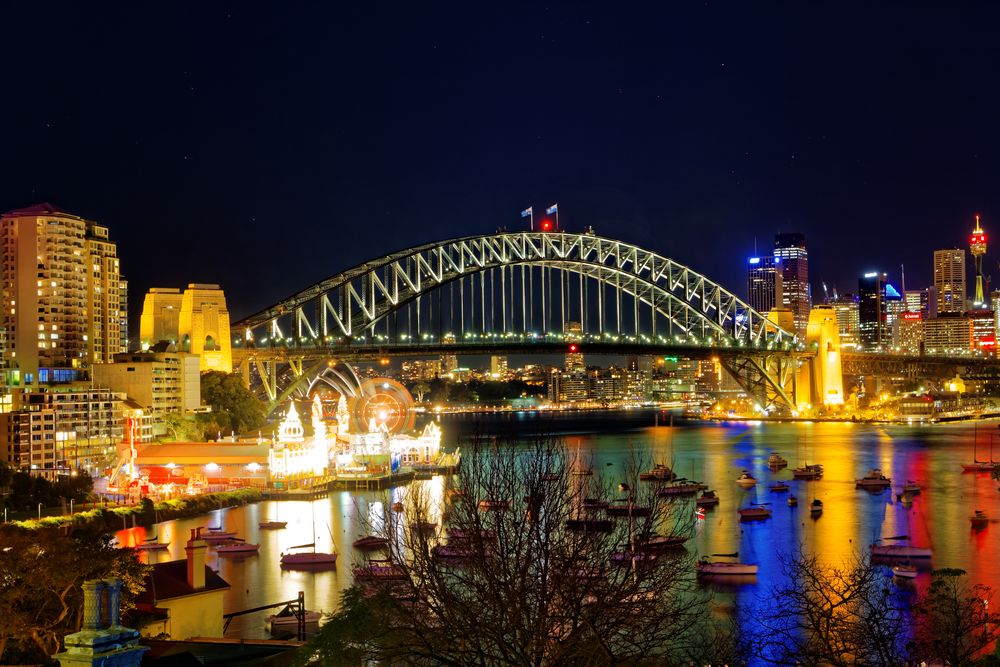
(227, 396)
(953, 619)
(421, 389)
(525, 575)
(41, 572)
(825, 614)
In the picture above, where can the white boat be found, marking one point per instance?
(289, 559)
(272, 525)
(706, 567)
(236, 548)
(753, 513)
(899, 551)
(904, 571)
(289, 622)
(746, 480)
(874, 480)
(152, 545)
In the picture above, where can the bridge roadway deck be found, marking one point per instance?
(371, 352)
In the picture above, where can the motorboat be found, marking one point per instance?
(816, 507)
(746, 480)
(370, 543)
(272, 525)
(627, 507)
(294, 559)
(873, 480)
(814, 471)
(706, 567)
(380, 570)
(793, 501)
(707, 499)
(776, 460)
(658, 473)
(754, 513)
(911, 487)
(236, 547)
(979, 519)
(901, 551)
(286, 620)
(904, 571)
(779, 487)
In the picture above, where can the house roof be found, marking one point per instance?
(169, 580)
(44, 208)
(196, 453)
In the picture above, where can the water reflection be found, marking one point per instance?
(712, 453)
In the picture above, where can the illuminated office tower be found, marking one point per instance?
(763, 283)
(62, 305)
(871, 311)
(977, 247)
(845, 308)
(792, 258)
(949, 280)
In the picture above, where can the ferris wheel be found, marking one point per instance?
(381, 401)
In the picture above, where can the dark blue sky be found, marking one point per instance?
(266, 147)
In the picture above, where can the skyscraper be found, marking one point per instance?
(871, 311)
(949, 280)
(845, 308)
(793, 260)
(61, 283)
(763, 283)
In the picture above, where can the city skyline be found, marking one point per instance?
(660, 126)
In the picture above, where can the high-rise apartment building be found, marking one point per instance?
(61, 284)
(792, 258)
(872, 333)
(949, 280)
(763, 283)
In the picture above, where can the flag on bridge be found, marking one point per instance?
(552, 209)
(526, 213)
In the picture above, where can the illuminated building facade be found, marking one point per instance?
(848, 320)
(949, 280)
(910, 332)
(62, 306)
(820, 380)
(871, 311)
(763, 283)
(921, 301)
(793, 260)
(197, 321)
(894, 307)
(421, 369)
(574, 360)
(983, 328)
(498, 367)
(948, 333)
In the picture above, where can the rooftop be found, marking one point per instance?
(169, 580)
(44, 208)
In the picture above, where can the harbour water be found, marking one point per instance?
(714, 453)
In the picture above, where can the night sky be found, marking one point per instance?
(268, 147)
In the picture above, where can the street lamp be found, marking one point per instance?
(39, 511)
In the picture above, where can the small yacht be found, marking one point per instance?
(706, 567)
(979, 519)
(874, 480)
(904, 571)
(746, 480)
(816, 507)
(659, 473)
(814, 471)
(776, 460)
(236, 547)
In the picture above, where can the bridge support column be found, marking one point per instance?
(769, 378)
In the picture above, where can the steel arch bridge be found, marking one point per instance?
(514, 291)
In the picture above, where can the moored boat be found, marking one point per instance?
(793, 501)
(873, 480)
(658, 473)
(776, 460)
(292, 559)
(272, 525)
(218, 535)
(627, 508)
(899, 551)
(286, 620)
(707, 499)
(779, 487)
(706, 567)
(814, 471)
(152, 545)
(379, 570)
(979, 519)
(816, 507)
(904, 571)
(746, 480)
(681, 488)
(911, 487)
(370, 543)
(236, 547)
(754, 513)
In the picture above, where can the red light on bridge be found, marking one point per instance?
(572, 348)
(546, 225)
